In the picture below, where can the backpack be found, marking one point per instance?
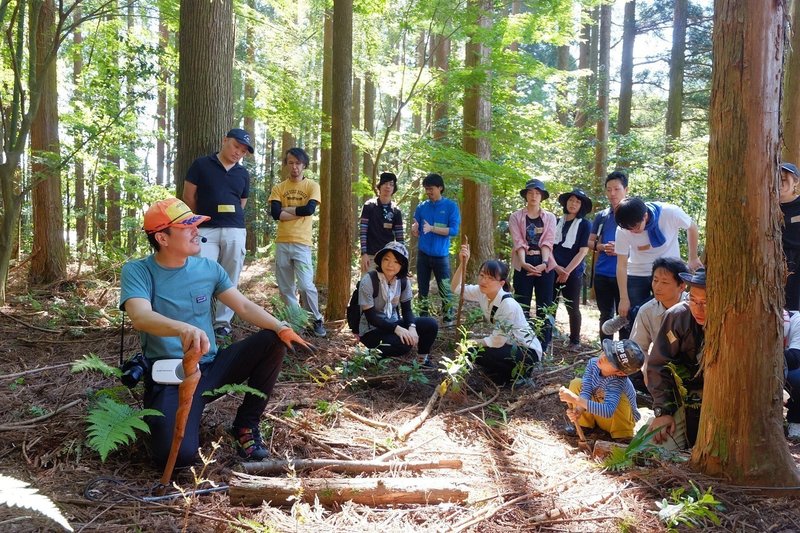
(354, 310)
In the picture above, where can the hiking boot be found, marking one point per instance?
(524, 383)
(425, 361)
(574, 347)
(318, 329)
(569, 430)
(249, 444)
(613, 325)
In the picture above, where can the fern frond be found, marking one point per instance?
(235, 388)
(112, 424)
(16, 493)
(92, 363)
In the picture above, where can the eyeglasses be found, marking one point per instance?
(697, 303)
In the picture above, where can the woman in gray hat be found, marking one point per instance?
(533, 232)
(570, 249)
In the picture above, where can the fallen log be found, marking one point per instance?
(412, 425)
(253, 490)
(272, 466)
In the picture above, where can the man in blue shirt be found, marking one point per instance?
(435, 221)
(217, 187)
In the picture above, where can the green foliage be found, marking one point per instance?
(112, 424)
(363, 360)
(501, 418)
(16, 383)
(234, 388)
(461, 364)
(16, 493)
(295, 316)
(91, 362)
(415, 372)
(640, 447)
(328, 409)
(689, 508)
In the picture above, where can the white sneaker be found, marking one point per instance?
(794, 430)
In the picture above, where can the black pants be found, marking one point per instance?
(571, 291)
(256, 360)
(792, 288)
(427, 329)
(524, 288)
(499, 363)
(606, 291)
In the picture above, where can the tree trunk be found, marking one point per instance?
(80, 180)
(585, 97)
(676, 65)
(741, 428)
(253, 490)
(161, 105)
(325, 176)
(112, 204)
(369, 126)
(442, 64)
(562, 98)
(277, 466)
(205, 91)
(626, 72)
(601, 146)
(253, 209)
(48, 258)
(791, 91)
(477, 222)
(341, 233)
(356, 123)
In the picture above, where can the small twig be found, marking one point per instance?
(463, 282)
(371, 423)
(480, 405)
(34, 370)
(414, 424)
(15, 319)
(402, 452)
(561, 369)
(546, 391)
(18, 425)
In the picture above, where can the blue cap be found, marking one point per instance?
(788, 167)
(241, 136)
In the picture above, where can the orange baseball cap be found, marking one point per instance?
(170, 213)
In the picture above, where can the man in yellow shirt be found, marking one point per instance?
(292, 204)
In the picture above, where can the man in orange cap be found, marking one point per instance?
(168, 296)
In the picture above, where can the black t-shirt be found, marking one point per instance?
(219, 192)
(382, 219)
(791, 222)
(533, 231)
(563, 255)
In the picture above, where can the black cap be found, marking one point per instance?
(698, 279)
(535, 184)
(789, 167)
(586, 202)
(624, 355)
(241, 136)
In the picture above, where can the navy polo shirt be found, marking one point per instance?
(219, 191)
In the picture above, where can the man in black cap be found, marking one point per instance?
(673, 366)
(217, 186)
(381, 221)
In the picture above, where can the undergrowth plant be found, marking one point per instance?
(234, 388)
(363, 360)
(297, 317)
(639, 448)
(463, 361)
(199, 479)
(415, 372)
(16, 493)
(689, 508)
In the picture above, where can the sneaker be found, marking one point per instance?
(574, 347)
(524, 383)
(223, 331)
(613, 325)
(318, 329)
(448, 322)
(249, 444)
(425, 361)
(569, 430)
(794, 431)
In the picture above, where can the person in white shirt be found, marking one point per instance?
(645, 232)
(511, 350)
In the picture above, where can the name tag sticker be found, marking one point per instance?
(643, 247)
(200, 299)
(795, 219)
(226, 208)
(671, 337)
(539, 230)
(387, 225)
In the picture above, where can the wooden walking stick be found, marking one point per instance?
(185, 394)
(463, 281)
(582, 444)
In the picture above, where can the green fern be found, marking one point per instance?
(112, 424)
(92, 363)
(235, 388)
(623, 458)
(16, 493)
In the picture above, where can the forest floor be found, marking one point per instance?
(520, 472)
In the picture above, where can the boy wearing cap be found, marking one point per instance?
(645, 232)
(790, 206)
(533, 231)
(605, 397)
(217, 187)
(435, 221)
(168, 296)
(679, 344)
(292, 204)
(381, 221)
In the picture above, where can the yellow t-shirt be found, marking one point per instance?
(294, 194)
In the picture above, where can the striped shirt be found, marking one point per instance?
(612, 387)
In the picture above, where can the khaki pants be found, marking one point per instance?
(621, 423)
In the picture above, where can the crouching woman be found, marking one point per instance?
(387, 321)
(512, 348)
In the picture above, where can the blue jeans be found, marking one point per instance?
(440, 267)
(524, 287)
(640, 290)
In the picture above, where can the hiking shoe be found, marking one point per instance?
(574, 347)
(425, 361)
(223, 331)
(448, 322)
(613, 325)
(524, 383)
(318, 329)
(569, 430)
(249, 444)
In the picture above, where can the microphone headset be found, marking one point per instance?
(203, 240)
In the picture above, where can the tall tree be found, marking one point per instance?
(80, 178)
(323, 250)
(253, 207)
(341, 233)
(604, 62)
(791, 90)
(369, 124)
(677, 62)
(161, 105)
(441, 59)
(477, 223)
(626, 75)
(48, 258)
(741, 433)
(587, 61)
(205, 91)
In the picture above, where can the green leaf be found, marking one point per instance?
(112, 424)
(92, 363)
(235, 388)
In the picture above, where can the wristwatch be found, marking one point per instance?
(662, 411)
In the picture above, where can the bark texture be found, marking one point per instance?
(791, 90)
(676, 65)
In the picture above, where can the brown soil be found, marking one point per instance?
(522, 458)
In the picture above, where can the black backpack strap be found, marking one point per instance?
(494, 307)
(373, 275)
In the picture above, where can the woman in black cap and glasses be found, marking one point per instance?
(532, 233)
(570, 249)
